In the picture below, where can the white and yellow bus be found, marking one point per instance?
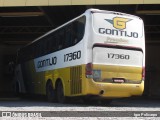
(99, 54)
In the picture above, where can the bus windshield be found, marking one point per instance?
(124, 26)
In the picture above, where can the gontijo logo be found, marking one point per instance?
(119, 22)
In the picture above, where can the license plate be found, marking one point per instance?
(118, 80)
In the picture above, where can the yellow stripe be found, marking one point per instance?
(72, 2)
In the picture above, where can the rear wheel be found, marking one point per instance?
(51, 97)
(60, 93)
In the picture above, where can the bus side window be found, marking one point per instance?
(37, 51)
(43, 46)
(39, 48)
(57, 40)
(49, 44)
(68, 36)
(31, 52)
(52, 42)
(74, 33)
(60, 39)
(78, 29)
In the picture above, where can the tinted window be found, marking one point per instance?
(65, 37)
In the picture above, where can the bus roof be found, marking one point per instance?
(86, 12)
(110, 12)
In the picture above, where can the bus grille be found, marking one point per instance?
(76, 80)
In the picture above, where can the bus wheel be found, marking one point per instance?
(50, 93)
(60, 93)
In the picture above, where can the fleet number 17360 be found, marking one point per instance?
(118, 56)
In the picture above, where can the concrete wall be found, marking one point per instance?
(72, 2)
(152, 85)
(7, 54)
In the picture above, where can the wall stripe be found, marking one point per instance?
(5, 3)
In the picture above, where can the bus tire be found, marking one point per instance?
(60, 93)
(50, 92)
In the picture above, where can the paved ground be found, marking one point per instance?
(132, 108)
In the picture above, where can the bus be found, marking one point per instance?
(97, 55)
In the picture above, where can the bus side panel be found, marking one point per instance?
(37, 72)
